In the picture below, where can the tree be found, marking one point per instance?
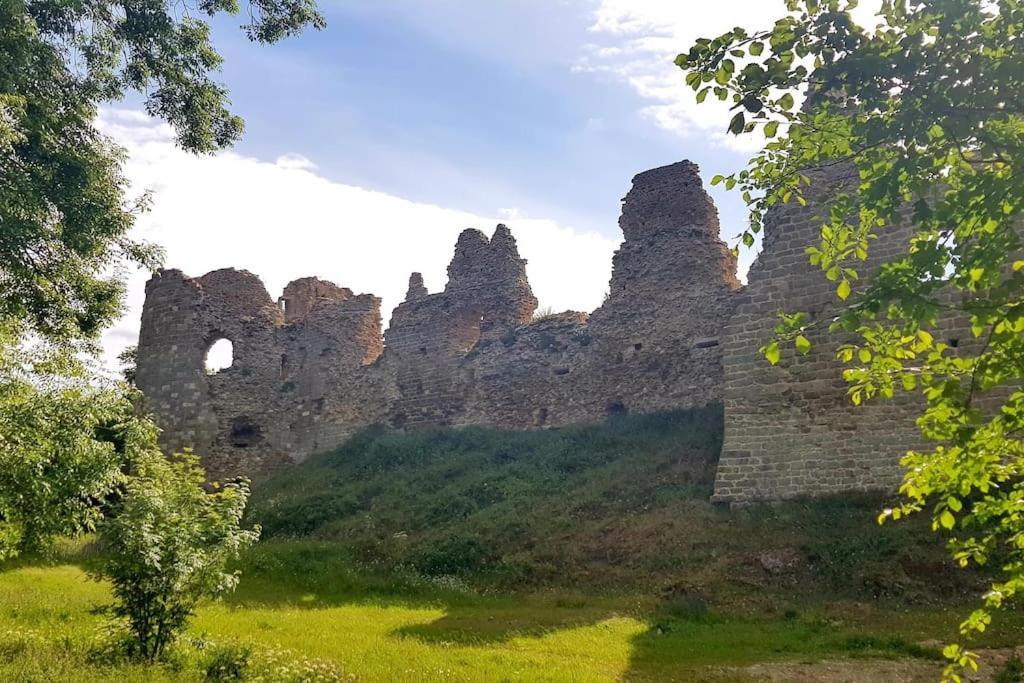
(927, 110)
(64, 229)
(63, 444)
(64, 218)
(169, 543)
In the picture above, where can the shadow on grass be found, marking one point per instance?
(488, 625)
(673, 650)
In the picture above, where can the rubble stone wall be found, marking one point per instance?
(313, 367)
(676, 330)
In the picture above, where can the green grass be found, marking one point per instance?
(618, 507)
(432, 630)
(583, 554)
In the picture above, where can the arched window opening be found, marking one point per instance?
(220, 356)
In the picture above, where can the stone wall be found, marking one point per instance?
(791, 429)
(314, 367)
(677, 330)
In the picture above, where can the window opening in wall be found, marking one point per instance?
(219, 356)
(954, 342)
(637, 346)
(283, 303)
(245, 432)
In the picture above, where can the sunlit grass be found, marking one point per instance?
(49, 626)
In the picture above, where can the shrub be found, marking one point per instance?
(63, 441)
(169, 542)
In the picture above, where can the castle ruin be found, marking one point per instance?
(677, 330)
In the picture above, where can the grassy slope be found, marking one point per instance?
(616, 507)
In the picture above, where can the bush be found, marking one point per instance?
(63, 440)
(169, 542)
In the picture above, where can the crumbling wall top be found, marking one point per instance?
(490, 277)
(417, 290)
(302, 295)
(668, 198)
(240, 292)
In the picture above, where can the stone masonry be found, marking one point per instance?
(677, 330)
(791, 429)
(313, 367)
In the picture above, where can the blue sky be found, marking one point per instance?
(371, 144)
(465, 104)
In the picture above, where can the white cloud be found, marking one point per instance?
(295, 161)
(282, 221)
(637, 41)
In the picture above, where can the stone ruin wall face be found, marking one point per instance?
(314, 367)
(677, 330)
(791, 428)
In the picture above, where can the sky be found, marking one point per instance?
(371, 144)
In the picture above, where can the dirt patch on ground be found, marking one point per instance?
(991, 662)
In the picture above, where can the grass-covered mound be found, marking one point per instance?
(620, 506)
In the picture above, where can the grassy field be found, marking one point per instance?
(585, 554)
(308, 614)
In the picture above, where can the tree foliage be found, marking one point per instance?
(927, 110)
(63, 444)
(64, 217)
(169, 541)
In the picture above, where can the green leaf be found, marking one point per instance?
(803, 344)
(737, 123)
(771, 353)
(756, 48)
(947, 520)
(786, 102)
(843, 290)
(771, 129)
